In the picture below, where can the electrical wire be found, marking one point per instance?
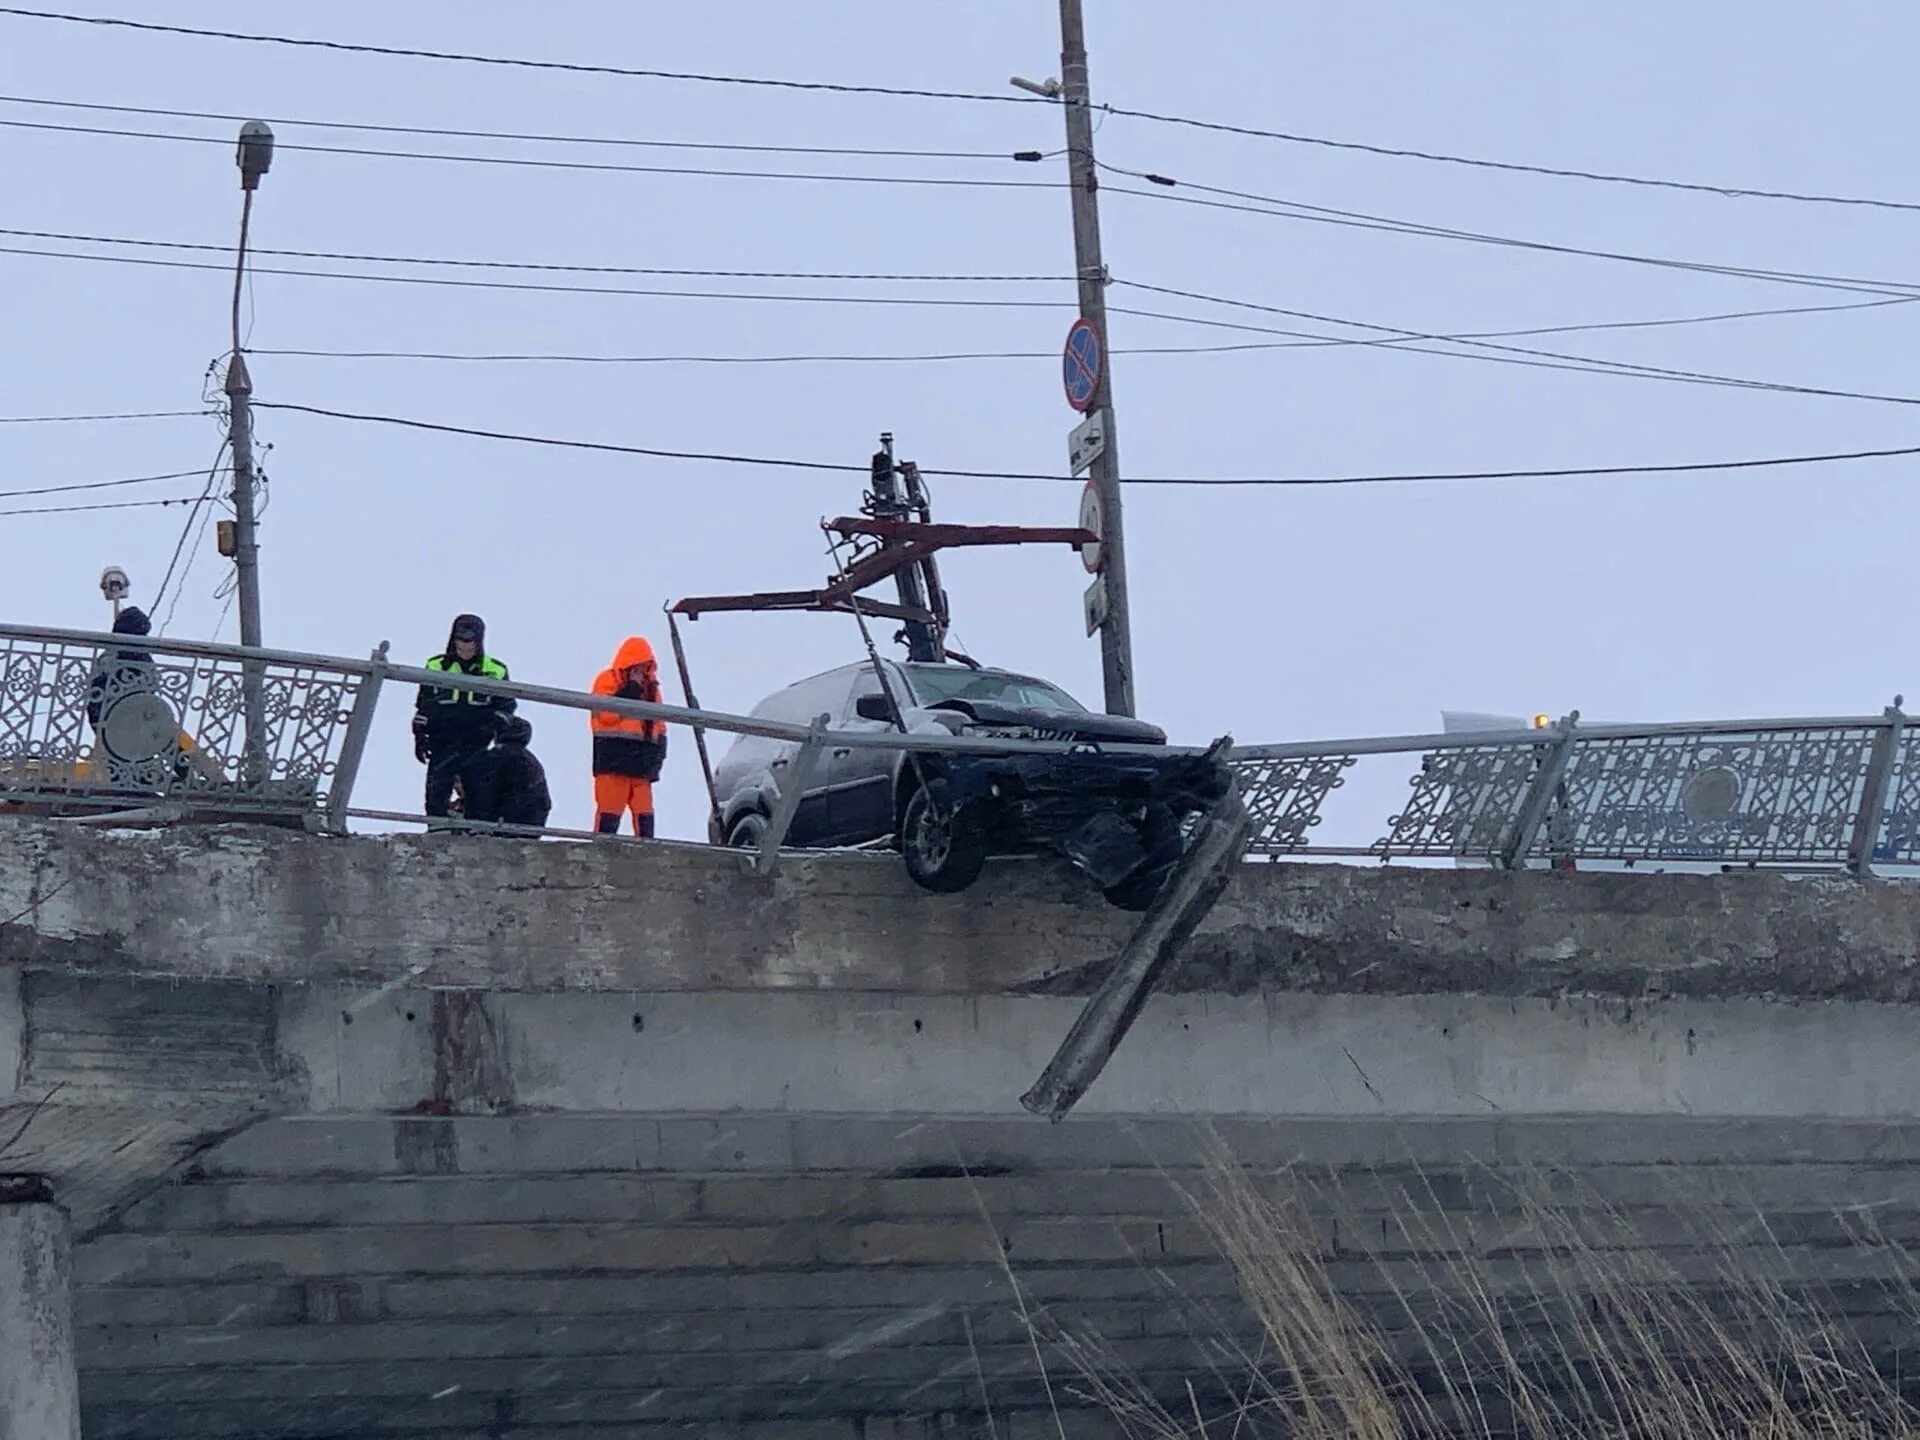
(214, 472)
(1295, 210)
(544, 289)
(99, 484)
(1398, 338)
(528, 162)
(545, 267)
(115, 505)
(519, 62)
(1166, 190)
(205, 509)
(1155, 117)
(1401, 339)
(1735, 192)
(1054, 355)
(225, 610)
(607, 447)
(1593, 364)
(76, 419)
(522, 137)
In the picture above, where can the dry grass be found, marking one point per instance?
(1544, 1312)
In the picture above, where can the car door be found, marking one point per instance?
(860, 780)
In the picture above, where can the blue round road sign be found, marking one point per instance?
(1080, 365)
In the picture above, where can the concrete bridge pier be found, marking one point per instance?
(39, 1385)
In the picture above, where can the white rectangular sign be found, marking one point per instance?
(1096, 604)
(1087, 443)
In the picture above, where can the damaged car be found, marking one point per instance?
(1123, 816)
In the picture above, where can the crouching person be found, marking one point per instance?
(511, 784)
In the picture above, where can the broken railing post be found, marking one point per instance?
(792, 786)
(1183, 902)
(353, 747)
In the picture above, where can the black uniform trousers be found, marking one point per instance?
(465, 760)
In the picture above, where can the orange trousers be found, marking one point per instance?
(614, 796)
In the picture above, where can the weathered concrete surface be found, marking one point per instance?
(263, 905)
(39, 1384)
(821, 1278)
(597, 1141)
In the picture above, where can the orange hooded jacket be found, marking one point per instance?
(623, 745)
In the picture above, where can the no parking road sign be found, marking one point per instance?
(1080, 364)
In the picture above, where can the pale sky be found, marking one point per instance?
(1276, 614)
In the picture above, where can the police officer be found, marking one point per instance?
(453, 727)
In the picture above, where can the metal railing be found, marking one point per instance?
(98, 725)
(119, 722)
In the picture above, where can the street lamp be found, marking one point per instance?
(254, 156)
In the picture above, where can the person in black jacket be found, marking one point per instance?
(511, 788)
(452, 728)
(118, 676)
(124, 672)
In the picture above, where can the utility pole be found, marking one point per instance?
(1116, 631)
(254, 157)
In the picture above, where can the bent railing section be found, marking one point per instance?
(94, 724)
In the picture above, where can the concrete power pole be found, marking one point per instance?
(254, 156)
(1116, 631)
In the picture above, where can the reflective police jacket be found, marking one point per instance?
(455, 716)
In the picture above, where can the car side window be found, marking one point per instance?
(782, 705)
(822, 695)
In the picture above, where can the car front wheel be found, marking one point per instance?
(748, 831)
(945, 847)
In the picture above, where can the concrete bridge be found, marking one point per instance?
(443, 1137)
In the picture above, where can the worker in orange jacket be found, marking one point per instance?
(627, 753)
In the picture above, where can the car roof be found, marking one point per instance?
(912, 665)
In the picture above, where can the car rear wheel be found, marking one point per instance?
(944, 847)
(748, 831)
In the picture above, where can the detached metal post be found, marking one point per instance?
(792, 786)
(714, 837)
(1183, 902)
(1540, 796)
(354, 747)
(1873, 796)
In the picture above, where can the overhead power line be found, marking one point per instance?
(531, 163)
(78, 419)
(440, 132)
(1167, 189)
(205, 499)
(529, 265)
(1568, 172)
(1239, 347)
(967, 302)
(1397, 337)
(114, 505)
(1566, 472)
(516, 61)
(101, 484)
(1735, 192)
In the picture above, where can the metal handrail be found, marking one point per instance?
(1832, 792)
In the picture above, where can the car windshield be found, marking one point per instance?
(933, 684)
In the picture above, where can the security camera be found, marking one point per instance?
(114, 583)
(1046, 90)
